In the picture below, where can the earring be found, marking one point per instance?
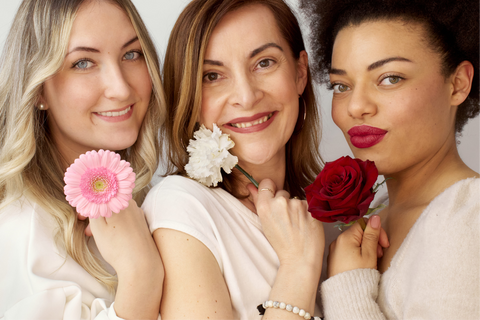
(41, 107)
(302, 115)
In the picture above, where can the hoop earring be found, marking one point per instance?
(302, 110)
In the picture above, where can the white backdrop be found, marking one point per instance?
(160, 16)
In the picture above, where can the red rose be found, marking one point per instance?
(343, 190)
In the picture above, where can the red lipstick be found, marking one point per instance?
(365, 136)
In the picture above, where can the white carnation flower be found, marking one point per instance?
(208, 154)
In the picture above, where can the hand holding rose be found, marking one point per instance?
(357, 249)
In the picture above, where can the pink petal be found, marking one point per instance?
(115, 205)
(75, 201)
(124, 173)
(103, 208)
(124, 184)
(125, 191)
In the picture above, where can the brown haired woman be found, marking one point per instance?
(242, 66)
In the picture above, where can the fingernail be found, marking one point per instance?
(375, 222)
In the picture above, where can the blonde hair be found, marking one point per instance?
(183, 73)
(30, 164)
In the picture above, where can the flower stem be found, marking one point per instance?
(255, 183)
(362, 223)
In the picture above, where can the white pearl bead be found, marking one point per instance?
(301, 313)
(276, 304)
(307, 316)
(270, 303)
(289, 307)
(282, 305)
(296, 310)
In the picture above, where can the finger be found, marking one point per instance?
(379, 251)
(253, 192)
(266, 190)
(81, 217)
(282, 193)
(371, 236)
(383, 239)
(88, 231)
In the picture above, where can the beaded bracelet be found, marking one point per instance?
(288, 307)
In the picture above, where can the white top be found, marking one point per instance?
(38, 280)
(227, 228)
(435, 274)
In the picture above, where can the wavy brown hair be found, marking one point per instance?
(30, 163)
(183, 73)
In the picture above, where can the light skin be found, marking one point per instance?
(385, 75)
(104, 70)
(248, 73)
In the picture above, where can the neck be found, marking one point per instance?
(420, 184)
(273, 170)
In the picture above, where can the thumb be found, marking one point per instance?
(371, 236)
(253, 191)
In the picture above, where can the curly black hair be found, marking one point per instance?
(452, 28)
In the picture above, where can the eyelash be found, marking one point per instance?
(75, 64)
(391, 76)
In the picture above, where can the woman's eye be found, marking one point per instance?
(211, 76)
(339, 88)
(390, 80)
(265, 63)
(132, 55)
(83, 64)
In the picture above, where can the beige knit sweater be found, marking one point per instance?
(435, 274)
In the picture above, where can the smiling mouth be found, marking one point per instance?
(251, 123)
(115, 114)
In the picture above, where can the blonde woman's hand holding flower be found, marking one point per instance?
(127, 245)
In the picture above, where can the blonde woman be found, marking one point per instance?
(240, 65)
(76, 76)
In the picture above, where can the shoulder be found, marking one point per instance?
(177, 202)
(459, 203)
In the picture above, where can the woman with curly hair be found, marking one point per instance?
(404, 76)
(75, 76)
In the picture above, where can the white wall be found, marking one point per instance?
(160, 16)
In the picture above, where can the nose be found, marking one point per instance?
(362, 103)
(116, 83)
(245, 92)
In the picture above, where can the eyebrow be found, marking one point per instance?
(90, 49)
(264, 47)
(371, 67)
(252, 54)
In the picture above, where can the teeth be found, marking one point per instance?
(115, 114)
(254, 123)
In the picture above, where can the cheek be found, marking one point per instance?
(339, 115)
(211, 109)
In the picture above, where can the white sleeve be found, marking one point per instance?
(181, 204)
(352, 295)
(37, 280)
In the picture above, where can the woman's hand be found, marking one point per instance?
(299, 241)
(127, 245)
(288, 226)
(357, 249)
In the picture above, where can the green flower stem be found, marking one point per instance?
(255, 183)
(362, 223)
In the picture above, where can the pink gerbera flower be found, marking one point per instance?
(99, 183)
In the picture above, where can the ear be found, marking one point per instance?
(461, 81)
(302, 72)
